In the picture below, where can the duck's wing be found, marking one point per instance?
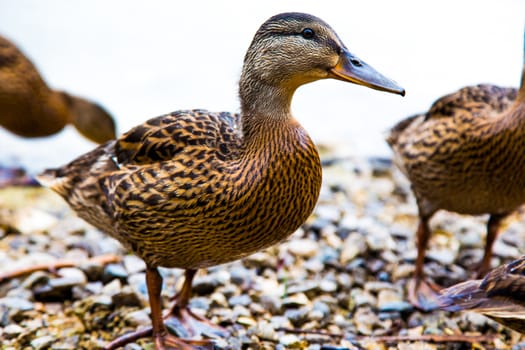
(467, 103)
(500, 295)
(164, 137)
(168, 147)
(475, 100)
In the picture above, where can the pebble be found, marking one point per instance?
(133, 264)
(138, 318)
(42, 342)
(114, 271)
(243, 300)
(205, 285)
(271, 303)
(16, 303)
(12, 331)
(297, 316)
(296, 300)
(305, 248)
(353, 245)
(126, 297)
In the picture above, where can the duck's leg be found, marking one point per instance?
(162, 339)
(183, 321)
(422, 293)
(493, 226)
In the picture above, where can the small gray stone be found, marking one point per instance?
(16, 303)
(126, 297)
(203, 285)
(271, 302)
(305, 248)
(42, 342)
(240, 275)
(296, 300)
(290, 341)
(36, 278)
(112, 287)
(243, 300)
(134, 264)
(73, 274)
(114, 271)
(328, 286)
(12, 331)
(138, 318)
(297, 316)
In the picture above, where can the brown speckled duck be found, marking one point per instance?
(29, 108)
(193, 189)
(500, 295)
(464, 155)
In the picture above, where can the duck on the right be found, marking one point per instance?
(465, 155)
(499, 296)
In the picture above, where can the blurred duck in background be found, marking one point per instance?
(466, 155)
(29, 108)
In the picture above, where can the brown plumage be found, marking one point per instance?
(464, 155)
(29, 108)
(193, 189)
(500, 295)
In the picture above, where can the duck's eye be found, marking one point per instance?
(307, 33)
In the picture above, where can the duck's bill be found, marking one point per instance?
(354, 70)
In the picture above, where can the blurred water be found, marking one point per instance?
(142, 59)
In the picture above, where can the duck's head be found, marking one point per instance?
(292, 49)
(90, 119)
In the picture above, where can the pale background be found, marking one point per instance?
(142, 59)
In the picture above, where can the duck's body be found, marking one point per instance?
(464, 155)
(500, 295)
(194, 188)
(29, 108)
(207, 193)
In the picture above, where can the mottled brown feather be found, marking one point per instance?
(500, 295)
(29, 108)
(462, 154)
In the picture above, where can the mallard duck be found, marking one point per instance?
(29, 108)
(500, 295)
(193, 188)
(463, 156)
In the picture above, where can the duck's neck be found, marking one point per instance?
(260, 98)
(521, 92)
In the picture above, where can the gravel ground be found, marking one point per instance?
(339, 282)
